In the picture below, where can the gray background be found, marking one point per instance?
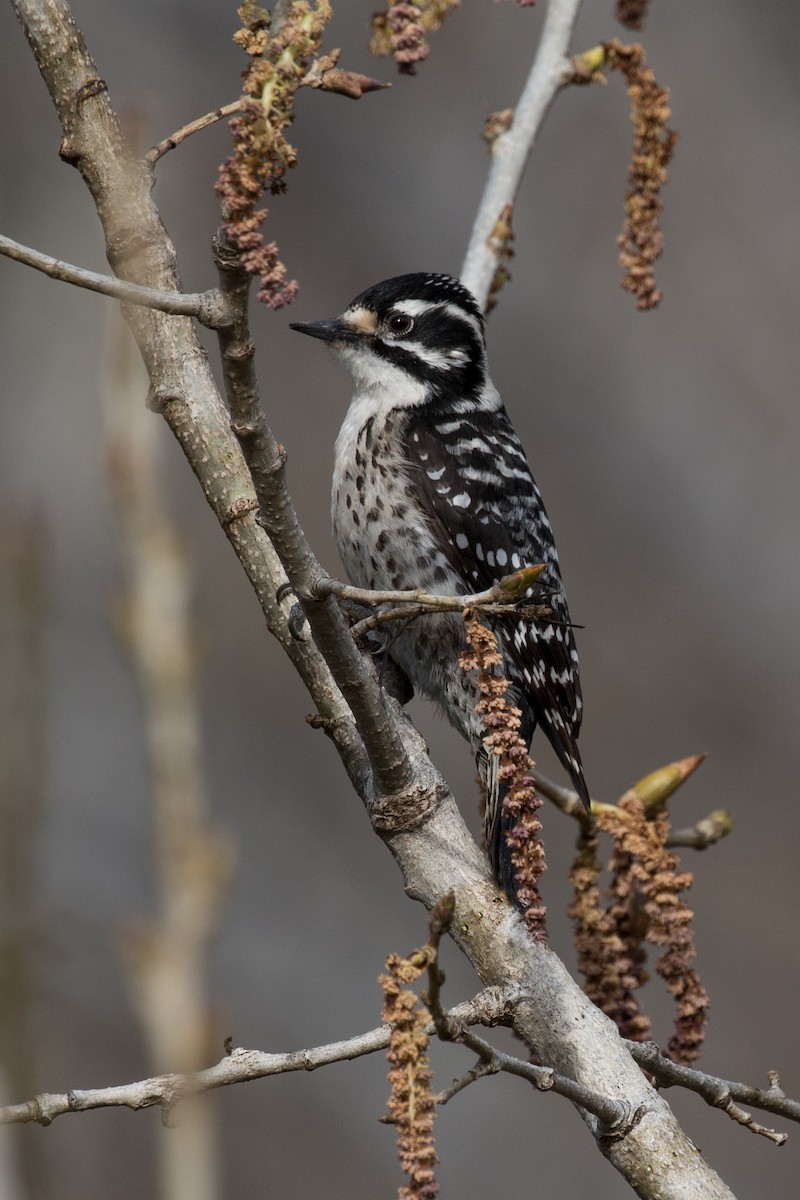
(666, 447)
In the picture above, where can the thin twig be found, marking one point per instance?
(401, 612)
(481, 1068)
(510, 151)
(501, 597)
(208, 307)
(531, 612)
(720, 1093)
(564, 798)
(186, 131)
(707, 832)
(238, 1066)
(568, 801)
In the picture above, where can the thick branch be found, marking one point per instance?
(510, 151)
(266, 460)
(551, 1014)
(181, 385)
(613, 1117)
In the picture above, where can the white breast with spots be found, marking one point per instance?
(385, 542)
(382, 534)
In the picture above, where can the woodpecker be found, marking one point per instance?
(432, 489)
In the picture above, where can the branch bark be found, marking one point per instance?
(720, 1093)
(238, 1066)
(266, 461)
(182, 388)
(511, 150)
(614, 1117)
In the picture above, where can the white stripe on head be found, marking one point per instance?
(414, 308)
(442, 360)
(455, 310)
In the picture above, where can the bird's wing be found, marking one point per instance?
(475, 486)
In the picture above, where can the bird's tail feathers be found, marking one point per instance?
(497, 822)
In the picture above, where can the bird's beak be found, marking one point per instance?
(336, 331)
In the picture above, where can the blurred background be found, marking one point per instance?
(666, 446)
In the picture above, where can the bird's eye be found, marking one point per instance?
(399, 324)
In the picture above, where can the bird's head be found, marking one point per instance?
(421, 335)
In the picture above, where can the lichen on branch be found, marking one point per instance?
(262, 155)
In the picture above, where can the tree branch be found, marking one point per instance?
(507, 593)
(707, 832)
(207, 307)
(242, 1066)
(181, 384)
(482, 1067)
(564, 798)
(185, 131)
(511, 150)
(323, 73)
(503, 597)
(238, 1066)
(266, 461)
(720, 1093)
(614, 1117)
